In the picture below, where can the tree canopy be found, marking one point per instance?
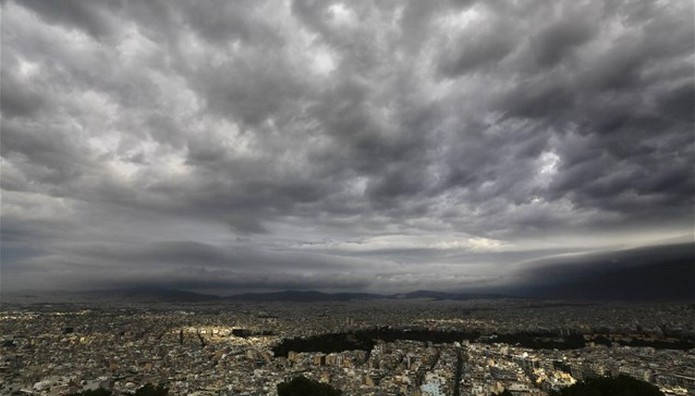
(622, 385)
(151, 390)
(97, 392)
(302, 386)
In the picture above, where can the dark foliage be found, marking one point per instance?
(622, 385)
(542, 341)
(684, 343)
(302, 386)
(151, 390)
(365, 339)
(98, 392)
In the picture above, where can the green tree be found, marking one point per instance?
(151, 390)
(302, 386)
(97, 392)
(622, 385)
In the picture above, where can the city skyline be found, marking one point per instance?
(345, 146)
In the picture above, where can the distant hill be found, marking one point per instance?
(165, 295)
(436, 295)
(315, 296)
(302, 296)
(147, 294)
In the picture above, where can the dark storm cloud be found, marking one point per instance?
(449, 138)
(664, 272)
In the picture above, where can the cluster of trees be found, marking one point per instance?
(146, 390)
(302, 386)
(542, 340)
(151, 390)
(98, 392)
(621, 385)
(683, 343)
(326, 343)
(364, 340)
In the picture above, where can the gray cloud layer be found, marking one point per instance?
(359, 145)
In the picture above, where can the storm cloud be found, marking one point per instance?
(377, 146)
(660, 272)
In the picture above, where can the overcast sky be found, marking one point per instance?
(358, 145)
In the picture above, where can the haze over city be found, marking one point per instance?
(390, 146)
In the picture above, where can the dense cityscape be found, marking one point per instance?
(421, 347)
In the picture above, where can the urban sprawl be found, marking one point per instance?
(246, 349)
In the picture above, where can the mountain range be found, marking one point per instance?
(156, 294)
